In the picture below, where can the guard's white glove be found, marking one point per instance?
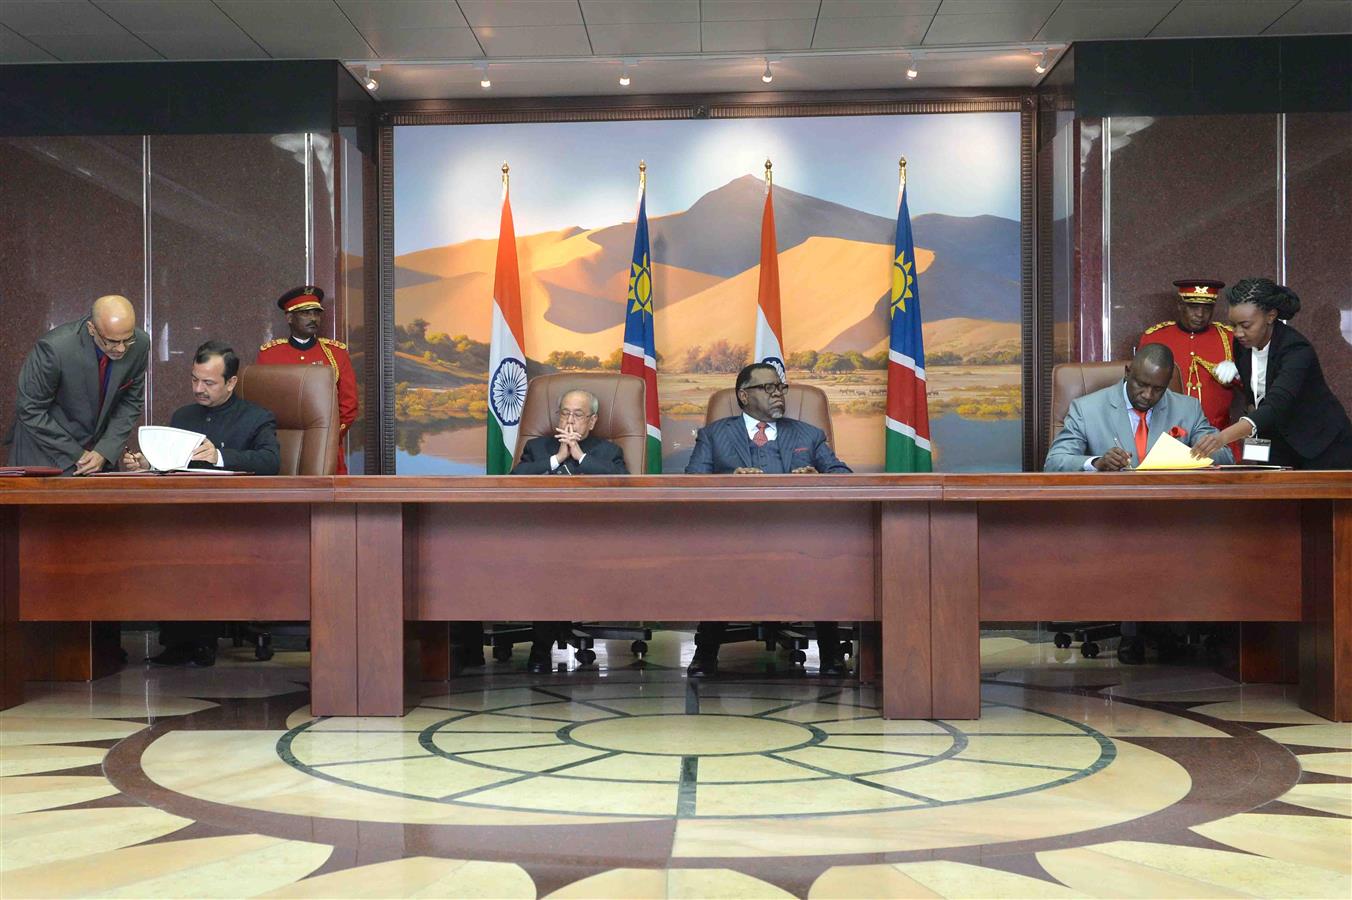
(1225, 372)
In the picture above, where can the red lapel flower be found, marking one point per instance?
(1177, 432)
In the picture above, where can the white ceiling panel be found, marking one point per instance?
(876, 9)
(1196, 18)
(56, 17)
(95, 47)
(298, 28)
(386, 14)
(895, 31)
(1095, 20)
(1033, 8)
(757, 10)
(195, 45)
(15, 49)
(1315, 17)
(555, 40)
(638, 39)
(201, 16)
(521, 13)
(985, 28)
(423, 43)
(635, 12)
(782, 34)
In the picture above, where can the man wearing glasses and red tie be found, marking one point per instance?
(81, 391)
(762, 441)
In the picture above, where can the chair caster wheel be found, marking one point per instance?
(262, 653)
(846, 649)
(1089, 650)
(586, 657)
(638, 648)
(799, 657)
(502, 652)
(1062, 640)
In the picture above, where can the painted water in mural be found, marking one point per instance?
(573, 198)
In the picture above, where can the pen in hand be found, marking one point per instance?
(1120, 447)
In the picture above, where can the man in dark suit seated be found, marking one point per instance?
(762, 441)
(237, 435)
(573, 450)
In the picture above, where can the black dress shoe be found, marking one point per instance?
(204, 655)
(703, 665)
(833, 667)
(541, 659)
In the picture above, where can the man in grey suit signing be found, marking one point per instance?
(1114, 428)
(761, 441)
(80, 391)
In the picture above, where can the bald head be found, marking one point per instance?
(112, 324)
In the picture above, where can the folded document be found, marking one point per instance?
(1171, 453)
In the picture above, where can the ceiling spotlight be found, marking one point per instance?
(484, 81)
(370, 82)
(624, 73)
(912, 72)
(767, 76)
(1042, 62)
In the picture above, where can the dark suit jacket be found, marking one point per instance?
(600, 457)
(723, 446)
(58, 416)
(1298, 409)
(244, 433)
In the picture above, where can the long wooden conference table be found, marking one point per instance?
(928, 557)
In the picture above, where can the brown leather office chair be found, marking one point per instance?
(803, 402)
(621, 419)
(1070, 381)
(305, 401)
(806, 404)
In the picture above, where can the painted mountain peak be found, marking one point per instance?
(834, 268)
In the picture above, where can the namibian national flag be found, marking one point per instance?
(908, 435)
(640, 348)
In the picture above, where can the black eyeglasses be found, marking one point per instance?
(108, 343)
(771, 388)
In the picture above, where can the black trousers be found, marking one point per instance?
(709, 636)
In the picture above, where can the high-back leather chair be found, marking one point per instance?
(1070, 381)
(304, 400)
(621, 418)
(802, 402)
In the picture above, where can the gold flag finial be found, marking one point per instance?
(505, 177)
(901, 165)
(642, 174)
(769, 177)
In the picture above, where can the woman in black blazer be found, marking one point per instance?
(1289, 403)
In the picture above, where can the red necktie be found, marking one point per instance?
(1142, 436)
(103, 378)
(760, 440)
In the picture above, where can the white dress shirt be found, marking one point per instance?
(1258, 374)
(751, 422)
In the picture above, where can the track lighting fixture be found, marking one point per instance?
(767, 76)
(484, 81)
(1042, 62)
(624, 73)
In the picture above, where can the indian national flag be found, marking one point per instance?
(908, 446)
(506, 355)
(639, 355)
(769, 331)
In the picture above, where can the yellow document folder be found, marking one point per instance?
(1171, 453)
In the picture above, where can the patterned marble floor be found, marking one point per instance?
(1082, 778)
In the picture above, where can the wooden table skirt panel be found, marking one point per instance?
(245, 561)
(637, 561)
(1156, 560)
(1326, 625)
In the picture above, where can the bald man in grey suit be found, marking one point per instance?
(81, 391)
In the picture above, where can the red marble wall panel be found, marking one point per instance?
(71, 208)
(1191, 196)
(1319, 238)
(228, 236)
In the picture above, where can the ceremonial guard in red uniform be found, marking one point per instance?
(1204, 350)
(304, 308)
